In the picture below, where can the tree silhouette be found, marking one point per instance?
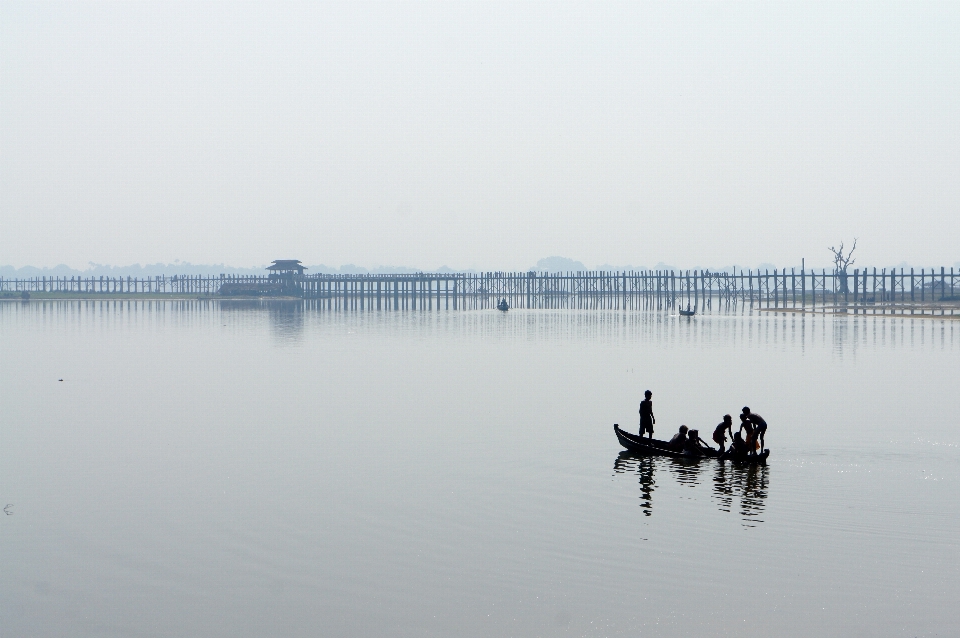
(840, 262)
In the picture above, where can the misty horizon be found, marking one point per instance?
(479, 135)
(315, 318)
(552, 264)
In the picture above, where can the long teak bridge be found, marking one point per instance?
(865, 290)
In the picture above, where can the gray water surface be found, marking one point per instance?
(250, 469)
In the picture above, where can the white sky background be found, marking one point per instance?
(479, 135)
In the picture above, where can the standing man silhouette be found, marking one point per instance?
(646, 414)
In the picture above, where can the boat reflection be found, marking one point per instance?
(686, 471)
(744, 484)
(736, 488)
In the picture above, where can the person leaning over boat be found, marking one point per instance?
(646, 414)
(720, 433)
(676, 443)
(759, 425)
(694, 444)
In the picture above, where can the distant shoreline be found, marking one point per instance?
(139, 296)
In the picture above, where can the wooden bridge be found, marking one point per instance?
(869, 291)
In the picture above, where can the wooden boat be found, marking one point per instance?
(687, 312)
(641, 445)
(503, 306)
(730, 455)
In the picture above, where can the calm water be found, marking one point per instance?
(218, 469)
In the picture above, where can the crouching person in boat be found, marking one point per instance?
(720, 433)
(738, 446)
(679, 439)
(695, 445)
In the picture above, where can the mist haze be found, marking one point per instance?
(478, 450)
(478, 135)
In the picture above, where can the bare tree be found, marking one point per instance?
(840, 262)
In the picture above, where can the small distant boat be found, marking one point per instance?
(687, 312)
(503, 306)
(656, 447)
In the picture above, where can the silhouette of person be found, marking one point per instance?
(646, 414)
(720, 433)
(750, 439)
(759, 425)
(738, 445)
(694, 444)
(678, 440)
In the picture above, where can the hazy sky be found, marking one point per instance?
(482, 135)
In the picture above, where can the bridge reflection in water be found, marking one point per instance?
(739, 488)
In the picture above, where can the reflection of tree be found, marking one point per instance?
(747, 482)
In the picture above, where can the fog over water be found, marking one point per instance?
(213, 467)
(271, 468)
